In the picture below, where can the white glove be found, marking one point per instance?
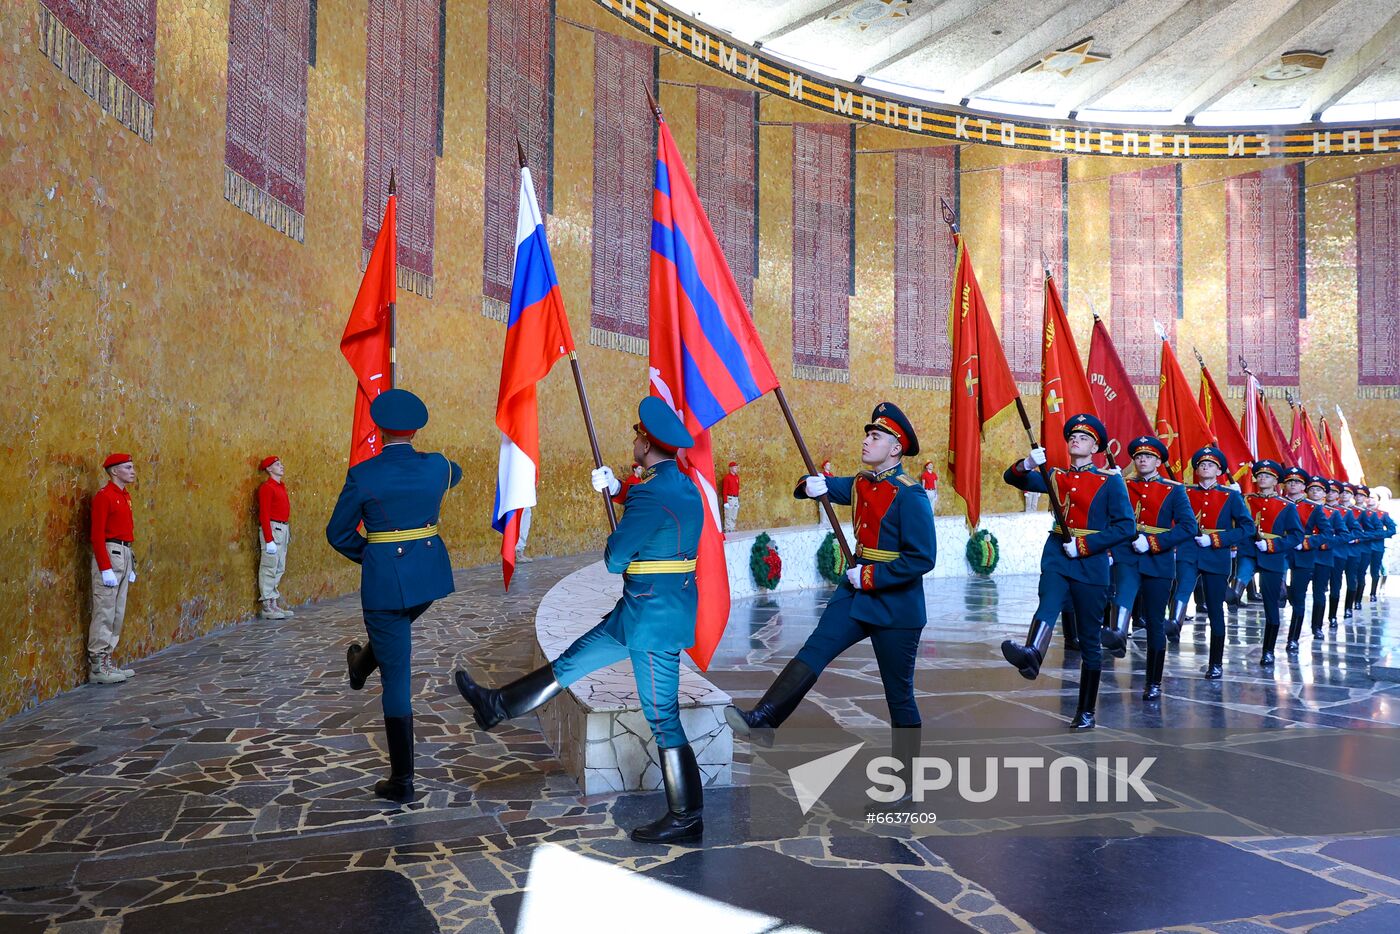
(1140, 545)
(1203, 541)
(1110, 559)
(1115, 470)
(1034, 459)
(853, 576)
(1071, 549)
(109, 578)
(1298, 547)
(815, 486)
(1262, 546)
(272, 548)
(604, 481)
(131, 577)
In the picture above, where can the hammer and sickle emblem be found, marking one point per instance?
(969, 380)
(1053, 403)
(1164, 432)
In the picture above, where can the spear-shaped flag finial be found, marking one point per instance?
(520, 151)
(392, 187)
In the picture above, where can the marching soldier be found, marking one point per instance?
(1224, 524)
(397, 496)
(653, 548)
(113, 568)
(1074, 564)
(1327, 556)
(1278, 530)
(274, 514)
(1386, 526)
(1306, 553)
(882, 598)
(1146, 567)
(1368, 532)
(1346, 533)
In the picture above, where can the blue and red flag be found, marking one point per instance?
(707, 359)
(537, 334)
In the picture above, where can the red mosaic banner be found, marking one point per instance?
(519, 106)
(1144, 234)
(265, 127)
(726, 176)
(823, 236)
(107, 48)
(1264, 274)
(1034, 230)
(923, 265)
(1378, 282)
(401, 109)
(624, 176)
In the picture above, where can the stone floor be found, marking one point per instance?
(226, 788)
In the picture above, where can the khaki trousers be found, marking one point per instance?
(731, 513)
(272, 567)
(108, 603)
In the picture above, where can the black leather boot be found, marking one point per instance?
(776, 705)
(1252, 591)
(1069, 625)
(685, 799)
(1156, 658)
(1234, 588)
(1295, 629)
(360, 663)
(1115, 638)
(905, 744)
(1088, 699)
(399, 785)
(492, 705)
(1175, 622)
(1029, 657)
(1266, 657)
(1214, 671)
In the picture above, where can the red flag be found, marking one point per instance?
(982, 382)
(1258, 425)
(366, 341)
(1332, 452)
(1180, 423)
(1064, 389)
(1117, 401)
(707, 360)
(1298, 445)
(1226, 432)
(1276, 435)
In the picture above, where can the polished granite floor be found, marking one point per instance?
(226, 788)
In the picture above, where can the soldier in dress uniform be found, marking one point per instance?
(1368, 533)
(1074, 564)
(1224, 524)
(1386, 526)
(653, 548)
(882, 598)
(1326, 550)
(1305, 555)
(1146, 567)
(397, 496)
(1278, 530)
(1346, 532)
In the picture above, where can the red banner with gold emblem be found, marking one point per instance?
(1064, 389)
(1227, 433)
(1180, 423)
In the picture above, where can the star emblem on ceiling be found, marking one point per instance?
(866, 13)
(1065, 61)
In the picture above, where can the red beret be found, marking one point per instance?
(268, 461)
(115, 459)
(733, 463)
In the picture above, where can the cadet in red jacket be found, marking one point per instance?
(113, 568)
(274, 514)
(729, 489)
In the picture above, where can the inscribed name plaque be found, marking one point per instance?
(923, 265)
(1264, 274)
(1378, 283)
(823, 240)
(107, 48)
(1144, 235)
(401, 112)
(726, 176)
(1034, 232)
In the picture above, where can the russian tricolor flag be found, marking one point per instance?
(707, 359)
(537, 334)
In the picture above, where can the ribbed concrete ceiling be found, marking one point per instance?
(1208, 62)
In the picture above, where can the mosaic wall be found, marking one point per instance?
(148, 313)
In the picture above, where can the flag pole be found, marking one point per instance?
(582, 394)
(393, 307)
(951, 219)
(807, 462)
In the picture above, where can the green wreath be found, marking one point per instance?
(765, 563)
(983, 552)
(831, 564)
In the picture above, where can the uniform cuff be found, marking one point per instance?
(1152, 546)
(867, 577)
(1215, 540)
(1081, 545)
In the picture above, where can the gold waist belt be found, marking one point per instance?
(1211, 531)
(1267, 536)
(661, 567)
(402, 535)
(875, 554)
(1152, 530)
(1077, 533)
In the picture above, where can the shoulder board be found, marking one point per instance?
(1170, 482)
(907, 480)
